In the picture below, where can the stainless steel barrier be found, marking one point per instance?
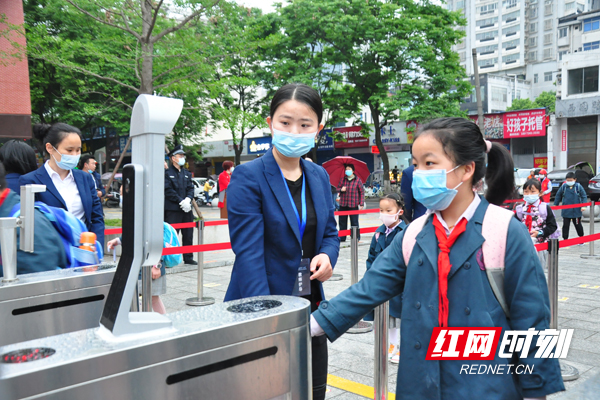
(361, 326)
(591, 255)
(147, 288)
(200, 300)
(255, 348)
(568, 372)
(382, 316)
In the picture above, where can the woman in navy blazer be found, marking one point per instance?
(62, 142)
(271, 228)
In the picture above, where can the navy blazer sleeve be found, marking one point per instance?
(189, 190)
(96, 223)
(99, 186)
(406, 190)
(246, 231)
(331, 241)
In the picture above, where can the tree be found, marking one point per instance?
(547, 100)
(397, 55)
(521, 104)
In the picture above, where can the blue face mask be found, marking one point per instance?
(531, 198)
(570, 183)
(90, 171)
(348, 173)
(181, 161)
(293, 145)
(67, 162)
(429, 188)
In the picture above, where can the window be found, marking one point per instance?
(511, 17)
(487, 49)
(487, 63)
(510, 3)
(461, 45)
(533, 12)
(532, 56)
(569, 6)
(511, 44)
(533, 27)
(486, 36)
(460, 5)
(563, 32)
(499, 94)
(548, 53)
(487, 9)
(547, 76)
(463, 56)
(583, 80)
(548, 24)
(511, 58)
(532, 41)
(591, 24)
(510, 31)
(518, 94)
(562, 53)
(548, 38)
(591, 46)
(535, 78)
(485, 23)
(548, 8)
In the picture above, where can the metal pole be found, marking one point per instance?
(147, 288)
(477, 90)
(382, 316)
(361, 326)
(135, 301)
(568, 372)
(592, 218)
(200, 300)
(8, 244)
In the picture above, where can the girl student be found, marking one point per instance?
(537, 216)
(444, 280)
(391, 213)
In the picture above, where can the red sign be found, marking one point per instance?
(463, 343)
(354, 138)
(563, 140)
(540, 162)
(524, 124)
(374, 149)
(493, 125)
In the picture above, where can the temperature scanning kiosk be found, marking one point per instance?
(255, 348)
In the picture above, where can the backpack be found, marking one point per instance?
(494, 230)
(69, 228)
(170, 239)
(543, 213)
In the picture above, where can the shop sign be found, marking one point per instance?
(324, 141)
(122, 143)
(374, 150)
(563, 140)
(493, 125)
(354, 138)
(259, 145)
(540, 162)
(525, 124)
(389, 135)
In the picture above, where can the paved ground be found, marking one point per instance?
(351, 356)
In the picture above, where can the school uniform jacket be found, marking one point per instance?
(264, 230)
(472, 304)
(94, 216)
(571, 195)
(379, 243)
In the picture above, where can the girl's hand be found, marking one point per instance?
(321, 267)
(534, 234)
(343, 189)
(155, 272)
(583, 208)
(113, 243)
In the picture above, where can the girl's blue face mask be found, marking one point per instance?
(429, 188)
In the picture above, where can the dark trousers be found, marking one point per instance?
(567, 225)
(187, 234)
(343, 220)
(319, 367)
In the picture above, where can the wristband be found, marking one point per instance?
(540, 233)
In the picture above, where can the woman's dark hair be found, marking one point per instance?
(299, 92)
(84, 160)
(399, 202)
(463, 143)
(227, 164)
(53, 134)
(533, 183)
(349, 166)
(3, 184)
(18, 157)
(571, 175)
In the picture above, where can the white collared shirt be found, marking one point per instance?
(68, 190)
(468, 214)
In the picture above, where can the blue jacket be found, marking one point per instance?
(98, 181)
(571, 195)
(94, 216)
(49, 253)
(472, 304)
(264, 230)
(414, 209)
(12, 181)
(377, 246)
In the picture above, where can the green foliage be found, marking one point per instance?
(544, 100)
(521, 104)
(14, 36)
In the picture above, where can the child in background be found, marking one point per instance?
(391, 213)
(571, 192)
(537, 216)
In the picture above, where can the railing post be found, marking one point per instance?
(382, 316)
(135, 301)
(361, 326)
(591, 255)
(568, 372)
(147, 288)
(200, 300)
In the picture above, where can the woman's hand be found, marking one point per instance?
(155, 272)
(321, 267)
(113, 243)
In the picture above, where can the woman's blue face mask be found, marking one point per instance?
(429, 188)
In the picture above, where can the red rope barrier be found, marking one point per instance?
(196, 249)
(357, 212)
(216, 223)
(571, 206)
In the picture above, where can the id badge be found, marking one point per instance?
(302, 285)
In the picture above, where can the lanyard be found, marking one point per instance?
(301, 222)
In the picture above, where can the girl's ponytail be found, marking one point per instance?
(499, 176)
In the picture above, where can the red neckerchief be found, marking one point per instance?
(3, 196)
(528, 217)
(445, 244)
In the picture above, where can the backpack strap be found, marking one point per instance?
(410, 236)
(543, 210)
(495, 231)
